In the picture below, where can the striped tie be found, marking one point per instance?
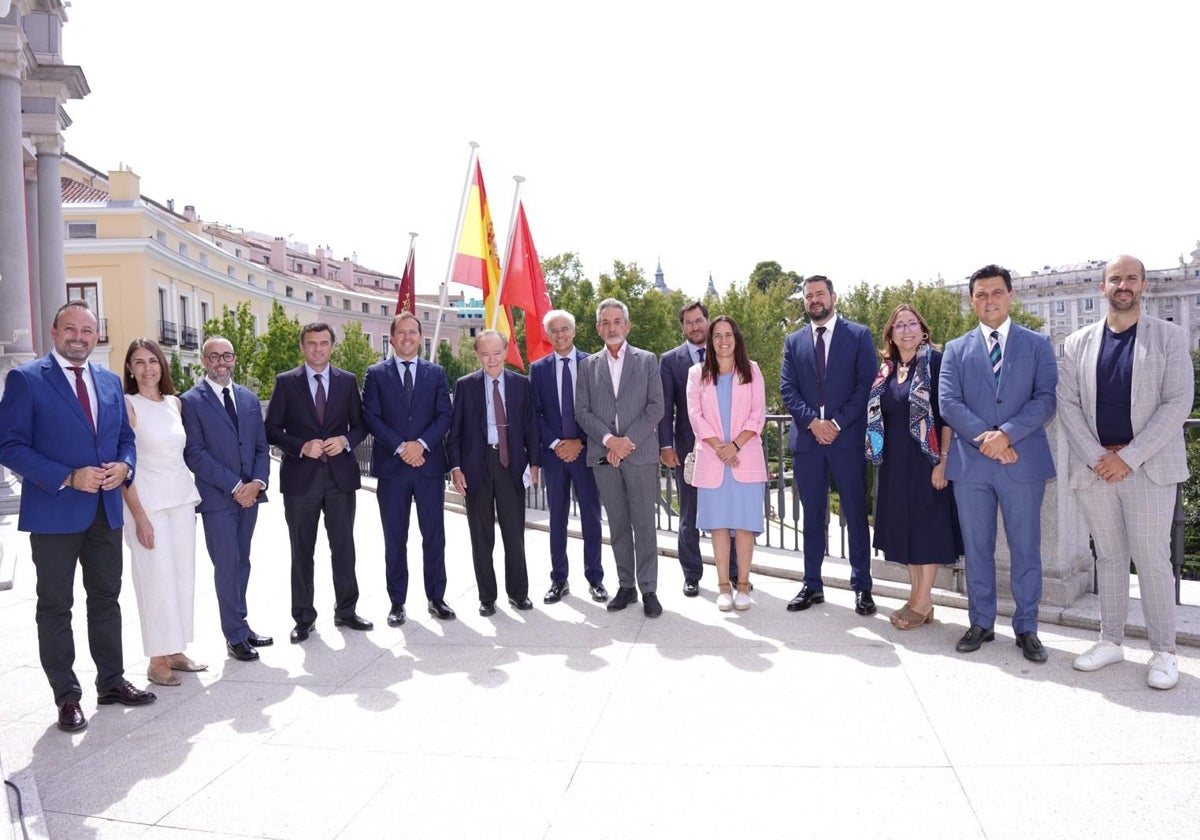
(994, 355)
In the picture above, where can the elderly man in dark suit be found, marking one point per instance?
(997, 394)
(619, 403)
(676, 439)
(65, 431)
(315, 418)
(406, 403)
(555, 380)
(227, 451)
(828, 367)
(493, 439)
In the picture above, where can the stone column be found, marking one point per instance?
(52, 272)
(32, 234)
(15, 322)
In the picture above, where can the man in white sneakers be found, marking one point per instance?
(1124, 390)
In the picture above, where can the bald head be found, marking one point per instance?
(1122, 263)
(1123, 284)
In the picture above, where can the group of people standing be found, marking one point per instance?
(956, 436)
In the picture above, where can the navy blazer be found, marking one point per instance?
(849, 372)
(467, 443)
(392, 420)
(544, 379)
(1024, 401)
(44, 434)
(219, 455)
(675, 429)
(292, 422)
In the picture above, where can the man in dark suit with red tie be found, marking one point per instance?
(564, 457)
(65, 431)
(406, 403)
(315, 418)
(493, 438)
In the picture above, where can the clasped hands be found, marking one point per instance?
(568, 450)
(316, 447)
(108, 476)
(619, 448)
(727, 451)
(1112, 468)
(824, 431)
(996, 445)
(412, 453)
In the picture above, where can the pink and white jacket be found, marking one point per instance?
(747, 413)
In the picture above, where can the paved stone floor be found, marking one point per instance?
(572, 722)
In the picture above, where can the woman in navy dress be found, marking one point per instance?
(915, 519)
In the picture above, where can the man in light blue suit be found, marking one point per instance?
(997, 394)
(226, 449)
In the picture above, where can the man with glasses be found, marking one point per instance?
(676, 439)
(226, 450)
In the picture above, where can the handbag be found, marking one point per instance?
(689, 467)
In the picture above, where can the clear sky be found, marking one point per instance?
(864, 140)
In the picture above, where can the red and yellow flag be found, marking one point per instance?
(476, 263)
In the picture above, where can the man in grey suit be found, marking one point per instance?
(1125, 389)
(618, 403)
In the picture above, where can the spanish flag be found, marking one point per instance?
(476, 263)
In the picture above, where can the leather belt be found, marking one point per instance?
(1116, 447)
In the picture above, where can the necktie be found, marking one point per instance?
(408, 380)
(501, 422)
(84, 399)
(229, 409)
(821, 368)
(320, 399)
(570, 429)
(994, 355)
(700, 355)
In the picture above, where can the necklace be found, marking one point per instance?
(902, 369)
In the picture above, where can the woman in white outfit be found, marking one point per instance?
(160, 515)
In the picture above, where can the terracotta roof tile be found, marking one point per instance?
(77, 192)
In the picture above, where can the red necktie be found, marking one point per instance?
(84, 400)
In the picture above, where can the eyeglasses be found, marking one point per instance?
(907, 326)
(220, 357)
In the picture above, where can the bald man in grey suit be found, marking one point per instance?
(618, 403)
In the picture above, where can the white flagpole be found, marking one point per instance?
(462, 210)
(508, 246)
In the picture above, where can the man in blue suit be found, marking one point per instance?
(406, 403)
(65, 431)
(676, 439)
(564, 461)
(493, 438)
(828, 367)
(997, 394)
(226, 450)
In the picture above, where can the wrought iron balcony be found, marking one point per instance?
(168, 334)
(189, 338)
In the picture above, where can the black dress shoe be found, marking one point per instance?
(1031, 646)
(556, 592)
(624, 597)
(691, 588)
(242, 651)
(805, 598)
(300, 631)
(864, 604)
(974, 638)
(354, 622)
(598, 592)
(259, 641)
(397, 616)
(650, 605)
(487, 608)
(126, 695)
(438, 609)
(522, 603)
(70, 717)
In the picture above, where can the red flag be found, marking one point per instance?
(477, 264)
(524, 285)
(406, 299)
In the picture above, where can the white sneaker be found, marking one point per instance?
(741, 601)
(1163, 671)
(1098, 655)
(724, 602)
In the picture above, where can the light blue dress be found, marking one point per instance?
(734, 504)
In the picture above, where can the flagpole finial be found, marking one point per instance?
(519, 178)
(413, 234)
(472, 144)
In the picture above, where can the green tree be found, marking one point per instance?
(572, 292)
(179, 378)
(354, 352)
(456, 366)
(237, 326)
(765, 316)
(278, 349)
(769, 273)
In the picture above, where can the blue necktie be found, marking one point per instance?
(570, 429)
(994, 355)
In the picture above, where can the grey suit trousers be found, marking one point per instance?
(1131, 519)
(629, 493)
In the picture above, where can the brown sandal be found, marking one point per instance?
(910, 619)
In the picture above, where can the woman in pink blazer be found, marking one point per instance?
(727, 406)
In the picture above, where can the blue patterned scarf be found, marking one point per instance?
(920, 412)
